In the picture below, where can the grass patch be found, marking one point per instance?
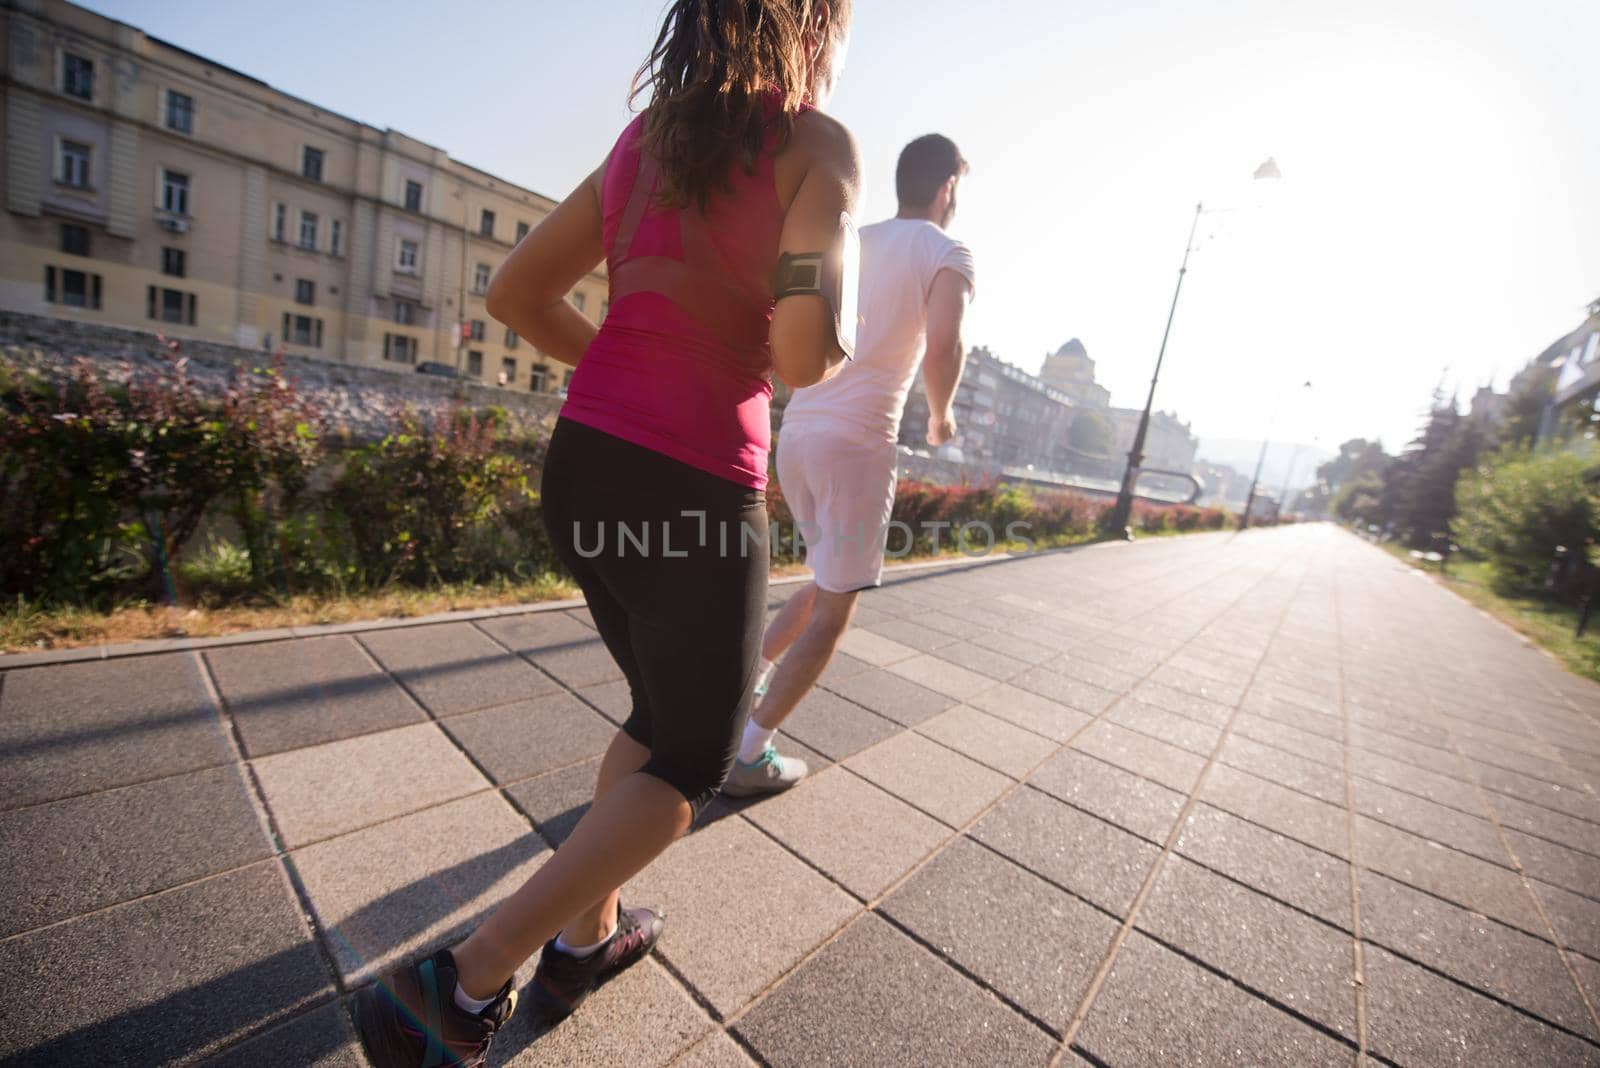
(1550, 624)
(25, 627)
(28, 628)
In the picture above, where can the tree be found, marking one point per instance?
(1531, 392)
(1090, 433)
(1359, 501)
(1518, 506)
(1419, 488)
(1358, 458)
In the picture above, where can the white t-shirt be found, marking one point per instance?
(899, 259)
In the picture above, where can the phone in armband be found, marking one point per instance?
(834, 275)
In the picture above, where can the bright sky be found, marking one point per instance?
(1437, 216)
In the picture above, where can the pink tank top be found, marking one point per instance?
(681, 365)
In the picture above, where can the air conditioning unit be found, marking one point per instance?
(177, 226)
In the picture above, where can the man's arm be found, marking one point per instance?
(941, 366)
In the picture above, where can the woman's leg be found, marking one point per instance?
(623, 832)
(688, 648)
(624, 756)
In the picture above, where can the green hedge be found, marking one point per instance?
(105, 493)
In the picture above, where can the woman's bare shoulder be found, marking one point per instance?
(822, 139)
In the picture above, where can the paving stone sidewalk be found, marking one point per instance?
(1259, 799)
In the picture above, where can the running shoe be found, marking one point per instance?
(769, 774)
(562, 981)
(409, 1018)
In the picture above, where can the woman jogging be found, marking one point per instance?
(653, 484)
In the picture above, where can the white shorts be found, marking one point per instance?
(840, 492)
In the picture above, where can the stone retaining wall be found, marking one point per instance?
(362, 401)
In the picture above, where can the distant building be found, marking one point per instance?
(1006, 416)
(1070, 370)
(1488, 407)
(1576, 360)
(145, 186)
(1169, 445)
(1221, 485)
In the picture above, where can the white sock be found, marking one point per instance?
(472, 1005)
(756, 740)
(582, 951)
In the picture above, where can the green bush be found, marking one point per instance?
(102, 489)
(1517, 507)
(437, 504)
(222, 570)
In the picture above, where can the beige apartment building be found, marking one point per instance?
(148, 187)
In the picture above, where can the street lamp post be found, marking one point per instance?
(1117, 519)
(1249, 503)
(1255, 480)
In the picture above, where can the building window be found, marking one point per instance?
(566, 381)
(336, 237)
(474, 363)
(180, 112)
(170, 305)
(302, 330)
(511, 338)
(174, 192)
(308, 230)
(405, 311)
(413, 195)
(578, 301)
(398, 348)
(508, 371)
(305, 291)
(75, 289)
(480, 278)
(77, 76)
(172, 262)
(538, 378)
(406, 257)
(280, 222)
(486, 223)
(311, 163)
(74, 164)
(74, 239)
(476, 330)
(522, 230)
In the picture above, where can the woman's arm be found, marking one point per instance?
(805, 348)
(528, 293)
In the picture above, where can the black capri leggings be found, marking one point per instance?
(680, 599)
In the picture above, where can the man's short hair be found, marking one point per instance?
(925, 165)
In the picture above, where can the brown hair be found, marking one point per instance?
(926, 164)
(713, 64)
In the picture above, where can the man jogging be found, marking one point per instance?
(837, 451)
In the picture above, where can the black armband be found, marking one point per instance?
(833, 275)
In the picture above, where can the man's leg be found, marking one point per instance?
(809, 656)
(755, 772)
(788, 623)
